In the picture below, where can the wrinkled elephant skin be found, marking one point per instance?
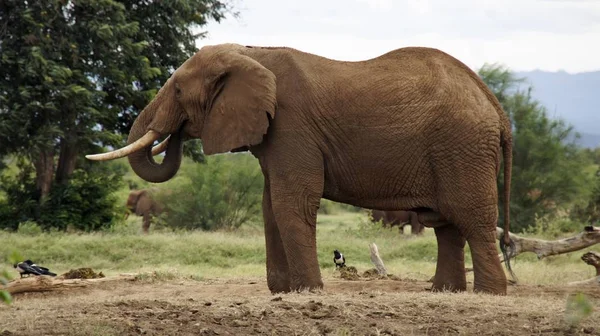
(413, 129)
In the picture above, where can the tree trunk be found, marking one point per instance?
(66, 161)
(44, 170)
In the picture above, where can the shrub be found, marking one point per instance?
(29, 228)
(86, 202)
(554, 225)
(223, 193)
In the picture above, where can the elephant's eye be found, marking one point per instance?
(177, 90)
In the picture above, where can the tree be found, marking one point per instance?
(75, 74)
(549, 170)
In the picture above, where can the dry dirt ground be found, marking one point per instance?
(375, 307)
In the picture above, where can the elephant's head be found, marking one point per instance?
(220, 95)
(132, 201)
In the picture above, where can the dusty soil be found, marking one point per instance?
(245, 307)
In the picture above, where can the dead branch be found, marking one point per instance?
(544, 248)
(593, 259)
(595, 281)
(46, 283)
(376, 259)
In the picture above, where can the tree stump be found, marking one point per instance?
(376, 260)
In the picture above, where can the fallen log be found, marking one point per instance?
(45, 283)
(376, 259)
(544, 248)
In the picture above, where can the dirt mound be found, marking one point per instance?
(82, 273)
(351, 273)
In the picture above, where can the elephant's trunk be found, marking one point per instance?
(162, 116)
(142, 162)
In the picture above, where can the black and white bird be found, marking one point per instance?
(339, 259)
(28, 268)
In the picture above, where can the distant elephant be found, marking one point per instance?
(143, 203)
(400, 219)
(413, 129)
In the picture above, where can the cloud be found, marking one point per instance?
(549, 35)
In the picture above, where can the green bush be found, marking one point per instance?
(86, 202)
(29, 228)
(554, 225)
(223, 193)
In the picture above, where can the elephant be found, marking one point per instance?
(142, 203)
(323, 128)
(400, 219)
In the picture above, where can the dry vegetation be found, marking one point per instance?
(213, 284)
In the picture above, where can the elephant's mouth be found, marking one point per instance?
(143, 142)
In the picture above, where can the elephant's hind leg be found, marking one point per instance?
(278, 279)
(487, 269)
(450, 269)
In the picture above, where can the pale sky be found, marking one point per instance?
(524, 35)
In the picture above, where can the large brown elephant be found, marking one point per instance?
(413, 129)
(142, 203)
(399, 218)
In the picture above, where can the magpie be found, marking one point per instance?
(27, 267)
(339, 259)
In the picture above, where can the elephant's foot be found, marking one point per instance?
(278, 282)
(450, 270)
(311, 284)
(447, 284)
(489, 275)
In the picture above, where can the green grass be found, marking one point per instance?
(241, 254)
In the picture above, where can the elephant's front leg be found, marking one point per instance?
(295, 209)
(146, 223)
(278, 278)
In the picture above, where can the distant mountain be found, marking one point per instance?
(571, 97)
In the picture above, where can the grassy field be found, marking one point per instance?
(203, 255)
(213, 283)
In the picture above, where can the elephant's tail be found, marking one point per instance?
(506, 245)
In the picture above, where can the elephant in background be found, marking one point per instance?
(143, 203)
(322, 128)
(400, 219)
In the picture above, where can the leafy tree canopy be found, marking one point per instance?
(75, 74)
(549, 171)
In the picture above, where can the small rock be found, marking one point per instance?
(279, 298)
(240, 323)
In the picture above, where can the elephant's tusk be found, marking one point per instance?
(161, 147)
(142, 142)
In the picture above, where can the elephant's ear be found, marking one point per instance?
(243, 98)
